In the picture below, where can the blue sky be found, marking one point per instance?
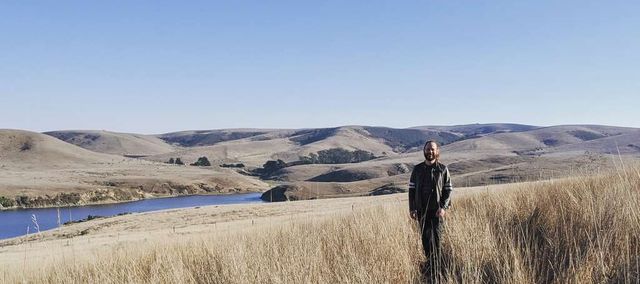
(161, 66)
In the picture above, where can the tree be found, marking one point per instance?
(272, 166)
(171, 161)
(7, 202)
(179, 162)
(202, 162)
(337, 156)
(361, 155)
(312, 159)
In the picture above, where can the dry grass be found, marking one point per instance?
(581, 230)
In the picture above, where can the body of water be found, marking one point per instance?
(19, 222)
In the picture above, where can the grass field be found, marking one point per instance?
(579, 230)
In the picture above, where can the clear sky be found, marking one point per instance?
(162, 66)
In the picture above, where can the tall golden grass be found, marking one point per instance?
(578, 230)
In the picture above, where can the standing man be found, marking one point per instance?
(429, 196)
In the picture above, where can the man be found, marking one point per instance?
(429, 198)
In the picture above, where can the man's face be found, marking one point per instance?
(431, 151)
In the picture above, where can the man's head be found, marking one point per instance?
(431, 151)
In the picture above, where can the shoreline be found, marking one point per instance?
(75, 229)
(108, 202)
(89, 218)
(221, 215)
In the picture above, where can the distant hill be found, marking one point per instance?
(402, 140)
(287, 145)
(487, 154)
(537, 139)
(476, 130)
(40, 170)
(477, 154)
(627, 142)
(194, 138)
(470, 148)
(24, 149)
(114, 143)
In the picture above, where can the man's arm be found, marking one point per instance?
(447, 188)
(412, 191)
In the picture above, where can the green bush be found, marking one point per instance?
(7, 202)
(272, 166)
(337, 156)
(202, 162)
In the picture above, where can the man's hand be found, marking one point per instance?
(440, 212)
(414, 214)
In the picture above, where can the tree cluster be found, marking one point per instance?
(239, 165)
(7, 202)
(329, 156)
(201, 162)
(270, 167)
(176, 161)
(337, 156)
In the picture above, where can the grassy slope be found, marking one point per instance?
(114, 143)
(578, 230)
(37, 165)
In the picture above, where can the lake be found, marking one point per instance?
(18, 222)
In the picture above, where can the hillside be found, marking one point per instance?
(537, 139)
(115, 143)
(40, 170)
(24, 149)
(194, 138)
(504, 153)
(477, 130)
(494, 234)
(287, 145)
(35, 164)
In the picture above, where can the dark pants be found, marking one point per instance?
(431, 229)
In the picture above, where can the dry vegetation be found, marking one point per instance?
(583, 230)
(580, 230)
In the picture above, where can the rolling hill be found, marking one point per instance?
(115, 143)
(87, 162)
(40, 170)
(24, 149)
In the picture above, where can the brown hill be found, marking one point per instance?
(320, 190)
(477, 130)
(476, 154)
(24, 149)
(343, 172)
(495, 157)
(626, 143)
(248, 151)
(287, 145)
(40, 170)
(114, 143)
(537, 139)
(194, 138)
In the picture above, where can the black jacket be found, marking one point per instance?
(418, 184)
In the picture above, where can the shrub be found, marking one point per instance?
(239, 165)
(202, 162)
(26, 146)
(337, 156)
(7, 202)
(272, 166)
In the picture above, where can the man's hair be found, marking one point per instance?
(437, 147)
